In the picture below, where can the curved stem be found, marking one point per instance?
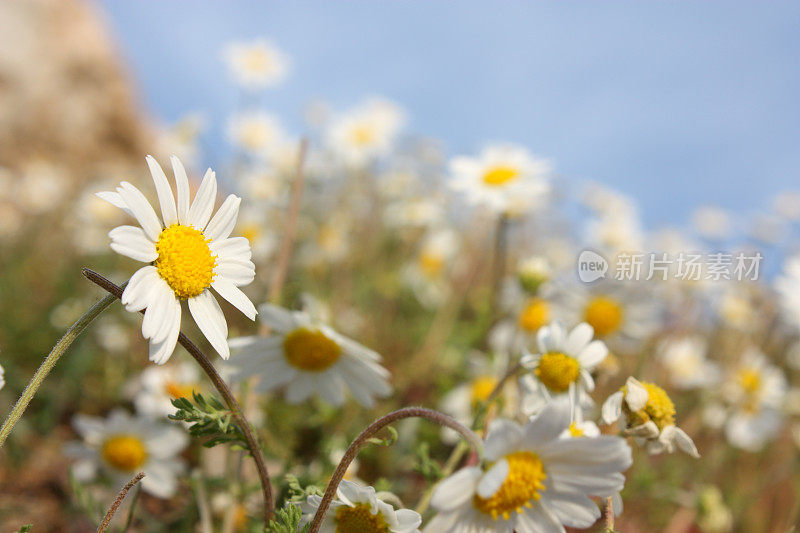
(222, 388)
(352, 451)
(118, 501)
(48, 364)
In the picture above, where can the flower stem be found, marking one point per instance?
(118, 501)
(222, 388)
(360, 441)
(48, 364)
(609, 512)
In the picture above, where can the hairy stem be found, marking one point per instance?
(222, 388)
(360, 441)
(118, 501)
(48, 364)
(610, 514)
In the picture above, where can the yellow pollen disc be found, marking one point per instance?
(659, 408)
(523, 484)
(124, 452)
(362, 135)
(480, 389)
(535, 315)
(604, 314)
(575, 431)
(750, 380)
(359, 519)
(500, 175)
(179, 390)
(310, 350)
(257, 60)
(185, 261)
(557, 370)
(431, 264)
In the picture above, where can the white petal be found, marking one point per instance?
(636, 395)
(136, 295)
(492, 480)
(407, 521)
(548, 424)
(114, 199)
(234, 248)
(593, 354)
(182, 189)
(211, 321)
(578, 338)
(141, 209)
(573, 510)
(203, 204)
(132, 242)
(165, 197)
(224, 220)
(235, 297)
(237, 272)
(503, 437)
(277, 318)
(456, 489)
(160, 352)
(612, 408)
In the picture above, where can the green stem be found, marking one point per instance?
(48, 364)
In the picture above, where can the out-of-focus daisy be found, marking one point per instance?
(713, 516)
(788, 287)
(414, 212)
(648, 414)
(257, 64)
(501, 175)
(255, 132)
(426, 275)
(755, 391)
(787, 205)
(685, 361)
(309, 358)
(712, 223)
(366, 132)
(181, 138)
(190, 253)
(358, 509)
(533, 480)
(533, 272)
(122, 445)
(563, 364)
(159, 385)
(254, 226)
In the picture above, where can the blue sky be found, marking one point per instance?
(677, 103)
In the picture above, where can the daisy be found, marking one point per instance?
(788, 287)
(122, 445)
(685, 360)
(309, 358)
(649, 417)
(533, 480)
(256, 133)
(365, 133)
(500, 176)
(427, 274)
(159, 385)
(358, 509)
(256, 65)
(713, 223)
(189, 253)
(563, 364)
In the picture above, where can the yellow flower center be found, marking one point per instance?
(359, 519)
(523, 484)
(362, 135)
(659, 408)
(179, 390)
(750, 380)
(500, 175)
(124, 452)
(431, 263)
(185, 261)
(251, 232)
(310, 349)
(257, 60)
(535, 315)
(557, 370)
(575, 431)
(480, 389)
(604, 314)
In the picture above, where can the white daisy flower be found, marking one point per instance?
(649, 417)
(309, 358)
(501, 176)
(533, 481)
(563, 364)
(427, 274)
(189, 253)
(358, 509)
(159, 385)
(366, 132)
(122, 445)
(685, 360)
(255, 132)
(256, 65)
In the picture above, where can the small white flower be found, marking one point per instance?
(358, 509)
(712, 222)
(649, 417)
(256, 65)
(533, 480)
(366, 132)
(189, 253)
(685, 360)
(500, 177)
(256, 133)
(159, 385)
(427, 274)
(122, 445)
(309, 358)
